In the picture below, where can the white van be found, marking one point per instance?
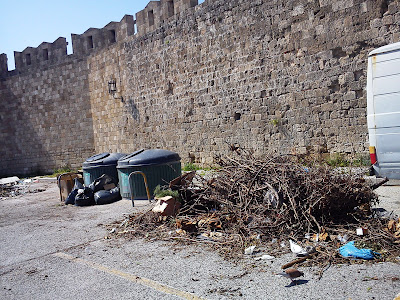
(383, 110)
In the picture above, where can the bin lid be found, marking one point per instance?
(102, 159)
(148, 157)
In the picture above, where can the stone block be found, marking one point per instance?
(387, 20)
(323, 3)
(364, 7)
(376, 23)
(393, 8)
(341, 4)
(298, 10)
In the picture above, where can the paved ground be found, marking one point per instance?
(52, 251)
(389, 196)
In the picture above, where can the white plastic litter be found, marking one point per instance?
(361, 231)
(296, 249)
(250, 250)
(8, 180)
(265, 257)
(343, 239)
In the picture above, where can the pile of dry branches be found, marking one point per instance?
(252, 201)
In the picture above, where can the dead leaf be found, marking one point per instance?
(366, 207)
(323, 236)
(180, 231)
(320, 236)
(186, 225)
(391, 225)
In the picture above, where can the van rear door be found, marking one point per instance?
(383, 109)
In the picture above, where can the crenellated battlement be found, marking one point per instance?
(3, 65)
(46, 52)
(156, 12)
(147, 20)
(95, 38)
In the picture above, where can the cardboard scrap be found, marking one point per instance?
(167, 206)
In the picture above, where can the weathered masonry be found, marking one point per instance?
(286, 76)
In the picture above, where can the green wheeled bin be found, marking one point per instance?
(159, 166)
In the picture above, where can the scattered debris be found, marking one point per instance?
(13, 186)
(259, 202)
(9, 180)
(227, 291)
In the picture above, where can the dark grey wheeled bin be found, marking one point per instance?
(99, 164)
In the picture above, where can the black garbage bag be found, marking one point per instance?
(71, 197)
(104, 182)
(84, 197)
(107, 197)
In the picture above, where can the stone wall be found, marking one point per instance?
(107, 109)
(284, 76)
(45, 119)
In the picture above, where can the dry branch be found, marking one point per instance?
(253, 201)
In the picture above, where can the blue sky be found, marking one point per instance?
(27, 23)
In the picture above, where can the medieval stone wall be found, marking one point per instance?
(45, 119)
(284, 76)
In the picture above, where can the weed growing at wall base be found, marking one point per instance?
(160, 192)
(61, 170)
(337, 160)
(340, 160)
(191, 167)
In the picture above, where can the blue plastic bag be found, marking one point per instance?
(349, 250)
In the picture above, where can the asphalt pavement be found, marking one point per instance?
(52, 251)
